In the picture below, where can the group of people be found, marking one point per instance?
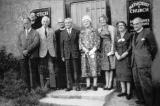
(85, 53)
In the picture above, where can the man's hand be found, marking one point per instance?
(25, 52)
(63, 59)
(118, 56)
(110, 53)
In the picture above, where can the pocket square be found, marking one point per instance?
(142, 39)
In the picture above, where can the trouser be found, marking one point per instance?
(29, 72)
(72, 69)
(61, 74)
(47, 71)
(143, 84)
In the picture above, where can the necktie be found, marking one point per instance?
(135, 38)
(46, 32)
(26, 32)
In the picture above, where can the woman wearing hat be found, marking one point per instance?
(89, 43)
(107, 58)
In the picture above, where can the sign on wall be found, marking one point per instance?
(142, 9)
(40, 13)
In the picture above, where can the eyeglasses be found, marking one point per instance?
(137, 23)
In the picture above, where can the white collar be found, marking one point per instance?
(139, 30)
(44, 28)
(62, 28)
(28, 30)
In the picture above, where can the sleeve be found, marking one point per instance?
(152, 43)
(129, 43)
(98, 40)
(35, 43)
(113, 34)
(19, 44)
(55, 42)
(115, 44)
(62, 44)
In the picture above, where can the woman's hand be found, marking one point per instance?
(110, 53)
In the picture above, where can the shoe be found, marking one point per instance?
(110, 88)
(78, 89)
(105, 88)
(68, 89)
(128, 96)
(121, 94)
(88, 88)
(140, 102)
(95, 88)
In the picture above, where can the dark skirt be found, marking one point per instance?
(123, 70)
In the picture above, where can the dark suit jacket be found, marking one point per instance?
(30, 43)
(144, 48)
(69, 44)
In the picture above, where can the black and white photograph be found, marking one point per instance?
(79, 52)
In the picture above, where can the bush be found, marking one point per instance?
(11, 86)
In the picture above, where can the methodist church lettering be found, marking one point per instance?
(139, 8)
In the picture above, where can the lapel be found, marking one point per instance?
(67, 36)
(139, 37)
(30, 34)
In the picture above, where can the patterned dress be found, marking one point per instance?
(89, 40)
(107, 45)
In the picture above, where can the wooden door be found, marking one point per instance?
(92, 8)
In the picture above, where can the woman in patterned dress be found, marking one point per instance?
(107, 58)
(123, 59)
(89, 43)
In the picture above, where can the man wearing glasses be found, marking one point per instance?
(143, 52)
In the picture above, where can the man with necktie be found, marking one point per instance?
(144, 49)
(47, 53)
(70, 54)
(28, 44)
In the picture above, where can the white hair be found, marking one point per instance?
(68, 19)
(45, 18)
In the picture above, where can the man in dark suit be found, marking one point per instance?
(143, 52)
(70, 53)
(35, 23)
(61, 74)
(28, 44)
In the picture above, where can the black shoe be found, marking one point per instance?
(105, 88)
(110, 88)
(128, 96)
(140, 102)
(121, 94)
(88, 88)
(68, 89)
(78, 89)
(95, 88)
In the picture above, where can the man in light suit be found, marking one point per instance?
(47, 53)
(143, 52)
(70, 53)
(28, 44)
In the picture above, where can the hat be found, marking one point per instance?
(60, 20)
(86, 17)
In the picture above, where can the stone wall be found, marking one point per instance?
(12, 13)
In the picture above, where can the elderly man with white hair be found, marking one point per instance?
(70, 53)
(144, 49)
(47, 53)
